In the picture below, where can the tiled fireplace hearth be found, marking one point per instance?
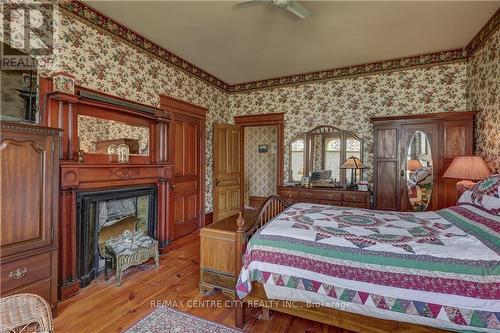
(108, 213)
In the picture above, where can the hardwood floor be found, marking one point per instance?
(103, 307)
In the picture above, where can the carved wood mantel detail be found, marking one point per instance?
(61, 110)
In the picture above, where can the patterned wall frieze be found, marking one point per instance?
(89, 14)
(483, 35)
(104, 22)
(430, 59)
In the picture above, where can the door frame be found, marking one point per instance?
(175, 106)
(254, 120)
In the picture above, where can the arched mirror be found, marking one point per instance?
(297, 157)
(419, 178)
(319, 153)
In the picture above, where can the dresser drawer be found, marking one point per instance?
(320, 195)
(328, 202)
(354, 197)
(354, 204)
(289, 194)
(40, 288)
(20, 272)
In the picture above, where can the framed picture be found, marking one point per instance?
(263, 148)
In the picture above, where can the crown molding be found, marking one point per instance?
(486, 31)
(430, 59)
(118, 30)
(89, 14)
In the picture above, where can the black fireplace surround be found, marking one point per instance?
(89, 264)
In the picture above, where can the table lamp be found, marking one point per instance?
(467, 168)
(353, 163)
(414, 165)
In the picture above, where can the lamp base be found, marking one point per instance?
(463, 186)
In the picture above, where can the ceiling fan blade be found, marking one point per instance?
(297, 9)
(242, 2)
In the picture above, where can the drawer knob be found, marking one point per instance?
(18, 273)
(353, 196)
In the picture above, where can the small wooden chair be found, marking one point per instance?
(25, 313)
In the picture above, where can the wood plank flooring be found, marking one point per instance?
(103, 307)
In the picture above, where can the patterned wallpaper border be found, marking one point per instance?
(118, 30)
(484, 34)
(106, 23)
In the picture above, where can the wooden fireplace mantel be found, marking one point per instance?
(61, 102)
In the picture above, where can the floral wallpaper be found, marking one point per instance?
(349, 103)
(260, 168)
(483, 94)
(108, 64)
(112, 65)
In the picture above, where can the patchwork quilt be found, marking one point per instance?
(440, 268)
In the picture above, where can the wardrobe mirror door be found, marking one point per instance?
(419, 178)
(297, 151)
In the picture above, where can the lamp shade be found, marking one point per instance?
(414, 165)
(467, 168)
(353, 163)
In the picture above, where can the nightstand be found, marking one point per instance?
(217, 267)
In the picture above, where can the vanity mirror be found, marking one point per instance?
(319, 153)
(419, 175)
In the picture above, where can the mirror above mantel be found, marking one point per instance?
(319, 153)
(105, 136)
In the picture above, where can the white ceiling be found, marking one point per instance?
(256, 41)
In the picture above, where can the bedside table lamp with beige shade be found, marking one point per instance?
(467, 168)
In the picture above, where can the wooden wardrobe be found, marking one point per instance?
(450, 134)
(29, 166)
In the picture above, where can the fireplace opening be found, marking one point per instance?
(108, 213)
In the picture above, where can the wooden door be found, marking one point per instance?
(457, 138)
(26, 182)
(387, 196)
(227, 171)
(186, 202)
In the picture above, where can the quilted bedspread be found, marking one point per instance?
(439, 268)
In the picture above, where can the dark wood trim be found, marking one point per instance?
(262, 119)
(424, 117)
(209, 218)
(265, 119)
(175, 107)
(171, 104)
(61, 110)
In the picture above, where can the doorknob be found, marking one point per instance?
(217, 182)
(173, 186)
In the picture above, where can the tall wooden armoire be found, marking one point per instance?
(449, 134)
(29, 166)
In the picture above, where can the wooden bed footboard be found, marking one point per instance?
(270, 208)
(273, 206)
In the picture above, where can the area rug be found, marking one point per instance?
(168, 320)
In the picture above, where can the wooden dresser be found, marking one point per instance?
(217, 257)
(325, 196)
(29, 157)
(450, 134)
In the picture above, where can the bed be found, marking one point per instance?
(374, 271)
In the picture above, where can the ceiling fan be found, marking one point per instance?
(290, 5)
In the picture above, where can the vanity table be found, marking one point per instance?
(325, 196)
(319, 154)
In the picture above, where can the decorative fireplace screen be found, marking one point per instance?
(107, 213)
